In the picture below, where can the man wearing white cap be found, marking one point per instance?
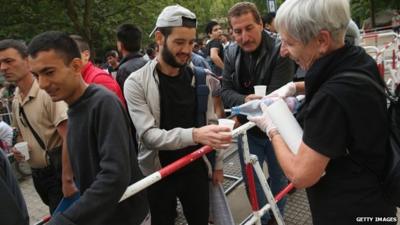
(162, 102)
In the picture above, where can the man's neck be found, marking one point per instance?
(125, 53)
(25, 85)
(80, 90)
(167, 69)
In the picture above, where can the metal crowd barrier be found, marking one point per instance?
(387, 58)
(252, 165)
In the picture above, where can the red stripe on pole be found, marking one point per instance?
(284, 192)
(44, 220)
(252, 187)
(171, 168)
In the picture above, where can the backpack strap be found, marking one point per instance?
(382, 89)
(202, 92)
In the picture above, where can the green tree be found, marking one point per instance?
(362, 9)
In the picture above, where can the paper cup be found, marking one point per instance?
(23, 148)
(260, 90)
(226, 123)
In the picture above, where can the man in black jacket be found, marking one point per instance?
(129, 38)
(254, 60)
(12, 208)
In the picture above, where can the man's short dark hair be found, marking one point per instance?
(130, 36)
(242, 8)
(112, 53)
(150, 51)
(267, 19)
(81, 42)
(209, 27)
(58, 41)
(18, 45)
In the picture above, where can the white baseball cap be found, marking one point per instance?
(171, 16)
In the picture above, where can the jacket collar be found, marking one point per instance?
(129, 57)
(153, 66)
(33, 92)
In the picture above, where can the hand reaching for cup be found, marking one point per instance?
(217, 137)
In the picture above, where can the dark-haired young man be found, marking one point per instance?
(162, 100)
(214, 48)
(93, 74)
(268, 22)
(100, 147)
(129, 40)
(40, 121)
(112, 59)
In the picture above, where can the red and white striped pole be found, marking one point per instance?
(164, 172)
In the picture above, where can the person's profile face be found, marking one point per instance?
(303, 54)
(55, 76)
(12, 65)
(111, 60)
(246, 31)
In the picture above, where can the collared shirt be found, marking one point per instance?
(44, 116)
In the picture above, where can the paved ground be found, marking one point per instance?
(297, 210)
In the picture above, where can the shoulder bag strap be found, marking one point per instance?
(37, 137)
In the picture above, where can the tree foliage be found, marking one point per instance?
(363, 9)
(97, 20)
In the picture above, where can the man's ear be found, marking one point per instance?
(159, 38)
(119, 46)
(85, 55)
(76, 65)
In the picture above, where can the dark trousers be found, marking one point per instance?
(47, 182)
(190, 185)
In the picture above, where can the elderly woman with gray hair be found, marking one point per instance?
(342, 154)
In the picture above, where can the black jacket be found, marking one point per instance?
(104, 162)
(129, 64)
(271, 70)
(12, 208)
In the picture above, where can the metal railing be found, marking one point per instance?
(251, 163)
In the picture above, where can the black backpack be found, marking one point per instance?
(391, 180)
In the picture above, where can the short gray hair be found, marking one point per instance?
(304, 19)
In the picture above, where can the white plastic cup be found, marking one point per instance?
(260, 90)
(226, 123)
(22, 147)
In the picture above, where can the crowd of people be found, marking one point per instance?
(94, 131)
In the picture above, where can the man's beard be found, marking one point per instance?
(169, 58)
